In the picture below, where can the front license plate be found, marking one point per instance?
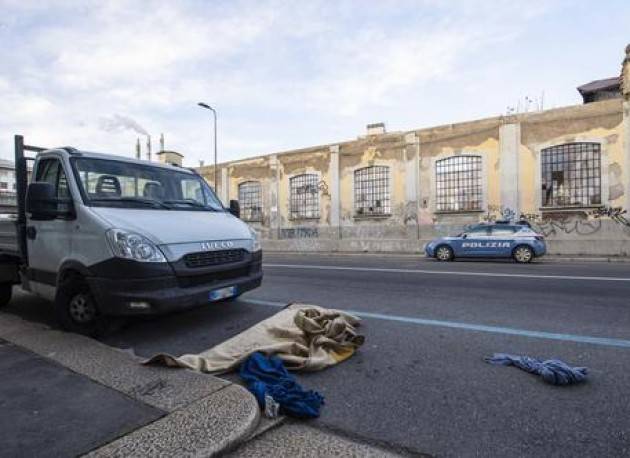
(222, 293)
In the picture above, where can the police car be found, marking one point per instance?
(500, 240)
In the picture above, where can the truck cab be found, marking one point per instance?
(102, 235)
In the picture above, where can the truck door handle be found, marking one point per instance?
(31, 232)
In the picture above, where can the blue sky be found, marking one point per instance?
(284, 74)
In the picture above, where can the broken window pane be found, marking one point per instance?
(250, 200)
(458, 183)
(371, 191)
(304, 196)
(571, 175)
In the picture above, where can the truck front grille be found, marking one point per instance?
(213, 258)
(208, 279)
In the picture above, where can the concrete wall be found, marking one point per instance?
(510, 150)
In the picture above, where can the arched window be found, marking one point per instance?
(458, 183)
(304, 196)
(571, 175)
(250, 200)
(371, 191)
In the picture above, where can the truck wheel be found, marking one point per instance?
(523, 254)
(76, 309)
(6, 290)
(444, 253)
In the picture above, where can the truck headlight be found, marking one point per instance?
(129, 245)
(256, 246)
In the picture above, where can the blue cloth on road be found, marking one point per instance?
(552, 371)
(267, 376)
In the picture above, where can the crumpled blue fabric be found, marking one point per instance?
(553, 371)
(267, 376)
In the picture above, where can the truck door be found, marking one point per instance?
(48, 241)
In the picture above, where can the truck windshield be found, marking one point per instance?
(111, 183)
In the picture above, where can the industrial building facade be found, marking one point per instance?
(394, 191)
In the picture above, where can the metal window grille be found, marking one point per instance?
(571, 175)
(250, 200)
(371, 191)
(458, 183)
(304, 197)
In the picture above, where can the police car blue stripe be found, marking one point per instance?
(605, 341)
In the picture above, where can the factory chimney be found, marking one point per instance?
(161, 142)
(138, 148)
(148, 147)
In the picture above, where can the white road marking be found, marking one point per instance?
(447, 272)
(605, 341)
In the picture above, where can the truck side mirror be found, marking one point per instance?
(235, 208)
(42, 202)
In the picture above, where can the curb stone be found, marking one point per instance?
(206, 415)
(212, 425)
(292, 439)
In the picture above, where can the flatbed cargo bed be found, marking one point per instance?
(9, 245)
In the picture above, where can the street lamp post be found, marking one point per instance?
(214, 113)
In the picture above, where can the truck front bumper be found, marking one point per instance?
(171, 292)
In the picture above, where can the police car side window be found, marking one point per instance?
(502, 231)
(477, 231)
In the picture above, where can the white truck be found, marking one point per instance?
(102, 235)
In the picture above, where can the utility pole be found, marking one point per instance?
(214, 113)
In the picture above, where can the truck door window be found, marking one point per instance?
(51, 171)
(192, 190)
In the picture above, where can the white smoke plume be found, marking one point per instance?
(118, 123)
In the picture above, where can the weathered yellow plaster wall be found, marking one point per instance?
(595, 122)
(475, 138)
(384, 150)
(292, 164)
(600, 121)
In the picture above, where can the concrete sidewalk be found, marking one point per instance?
(79, 384)
(67, 395)
(50, 410)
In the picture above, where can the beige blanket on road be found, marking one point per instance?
(305, 337)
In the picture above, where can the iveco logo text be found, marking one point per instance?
(209, 246)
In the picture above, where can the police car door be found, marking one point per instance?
(474, 242)
(502, 240)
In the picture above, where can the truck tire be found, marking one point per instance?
(75, 307)
(6, 290)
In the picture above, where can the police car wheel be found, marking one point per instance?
(523, 254)
(444, 253)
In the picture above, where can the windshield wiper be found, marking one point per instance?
(151, 202)
(191, 202)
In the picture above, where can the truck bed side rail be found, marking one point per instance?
(21, 183)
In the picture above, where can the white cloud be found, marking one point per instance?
(283, 74)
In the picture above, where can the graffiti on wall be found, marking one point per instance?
(617, 214)
(411, 213)
(299, 233)
(567, 226)
(499, 212)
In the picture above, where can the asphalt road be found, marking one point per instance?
(420, 384)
